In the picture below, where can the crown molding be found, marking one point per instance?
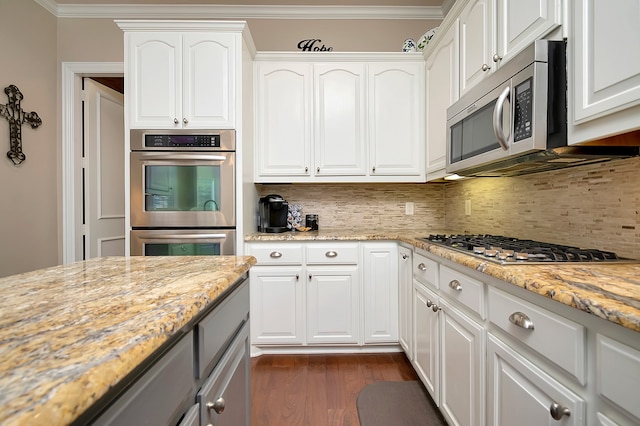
(222, 11)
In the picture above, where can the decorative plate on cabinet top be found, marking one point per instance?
(409, 45)
(426, 38)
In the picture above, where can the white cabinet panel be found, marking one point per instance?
(405, 300)
(284, 119)
(426, 339)
(520, 393)
(477, 43)
(380, 288)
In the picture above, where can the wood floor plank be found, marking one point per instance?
(318, 390)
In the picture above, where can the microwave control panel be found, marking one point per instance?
(523, 110)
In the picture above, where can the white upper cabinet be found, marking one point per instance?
(340, 133)
(396, 111)
(181, 80)
(322, 120)
(604, 69)
(493, 31)
(442, 91)
(283, 113)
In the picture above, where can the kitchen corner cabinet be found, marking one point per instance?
(338, 121)
(604, 88)
(181, 80)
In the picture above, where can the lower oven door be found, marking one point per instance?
(183, 242)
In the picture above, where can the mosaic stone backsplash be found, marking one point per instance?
(589, 206)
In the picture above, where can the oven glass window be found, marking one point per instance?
(474, 134)
(182, 188)
(182, 249)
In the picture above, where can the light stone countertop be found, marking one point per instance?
(70, 332)
(608, 291)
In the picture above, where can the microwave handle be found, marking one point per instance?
(172, 157)
(498, 125)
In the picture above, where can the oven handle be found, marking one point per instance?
(498, 125)
(172, 157)
(183, 236)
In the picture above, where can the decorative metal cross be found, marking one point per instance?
(16, 116)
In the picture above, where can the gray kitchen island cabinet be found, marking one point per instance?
(203, 378)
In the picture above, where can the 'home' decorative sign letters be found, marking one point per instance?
(310, 45)
(16, 116)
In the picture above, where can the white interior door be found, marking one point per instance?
(104, 191)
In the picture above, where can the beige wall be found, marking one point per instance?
(28, 192)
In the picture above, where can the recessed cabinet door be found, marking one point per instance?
(276, 305)
(283, 137)
(154, 73)
(396, 120)
(340, 143)
(380, 288)
(442, 91)
(405, 296)
(208, 80)
(333, 302)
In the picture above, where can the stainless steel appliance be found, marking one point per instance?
(514, 122)
(272, 214)
(513, 251)
(182, 185)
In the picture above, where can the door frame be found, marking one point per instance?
(71, 130)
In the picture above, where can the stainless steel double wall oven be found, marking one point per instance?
(183, 199)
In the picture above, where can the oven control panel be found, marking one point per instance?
(182, 141)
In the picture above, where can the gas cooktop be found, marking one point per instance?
(513, 251)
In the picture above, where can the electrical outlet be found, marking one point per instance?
(467, 207)
(408, 208)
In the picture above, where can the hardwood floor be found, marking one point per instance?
(318, 390)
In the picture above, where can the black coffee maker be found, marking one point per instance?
(272, 214)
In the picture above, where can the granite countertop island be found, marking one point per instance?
(70, 333)
(608, 291)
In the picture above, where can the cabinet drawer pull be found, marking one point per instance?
(429, 303)
(275, 255)
(422, 267)
(558, 411)
(455, 284)
(217, 406)
(331, 253)
(521, 320)
(404, 256)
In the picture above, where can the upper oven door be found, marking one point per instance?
(183, 189)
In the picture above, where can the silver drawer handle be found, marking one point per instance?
(521, 320)
(217, 406)
(455, 284)
(557, 411)
(275, 255)
(422, 267)
(331, 253)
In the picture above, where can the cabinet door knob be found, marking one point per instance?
(373, 169)
(175, 121)
(497, 58)
(455, 284)
(297, 277)
(429, 303)
(217, 406)
(310, 277)
(435, 308)
(485, 67)
(404, 256)
(275, 255)
(422, 267)
(185, 121)
(318, 170)
(331, 253)
(521, 320)
(557, 411)
(306, 170)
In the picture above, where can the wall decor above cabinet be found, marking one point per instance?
(339, 118)
(182, 75)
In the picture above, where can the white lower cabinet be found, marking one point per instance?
(426, 339)
(522, 394)
(405, 300)
(462, 348)
(322, 294)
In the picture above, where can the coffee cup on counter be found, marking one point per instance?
(311, 221)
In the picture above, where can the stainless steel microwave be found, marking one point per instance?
(514, 122)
